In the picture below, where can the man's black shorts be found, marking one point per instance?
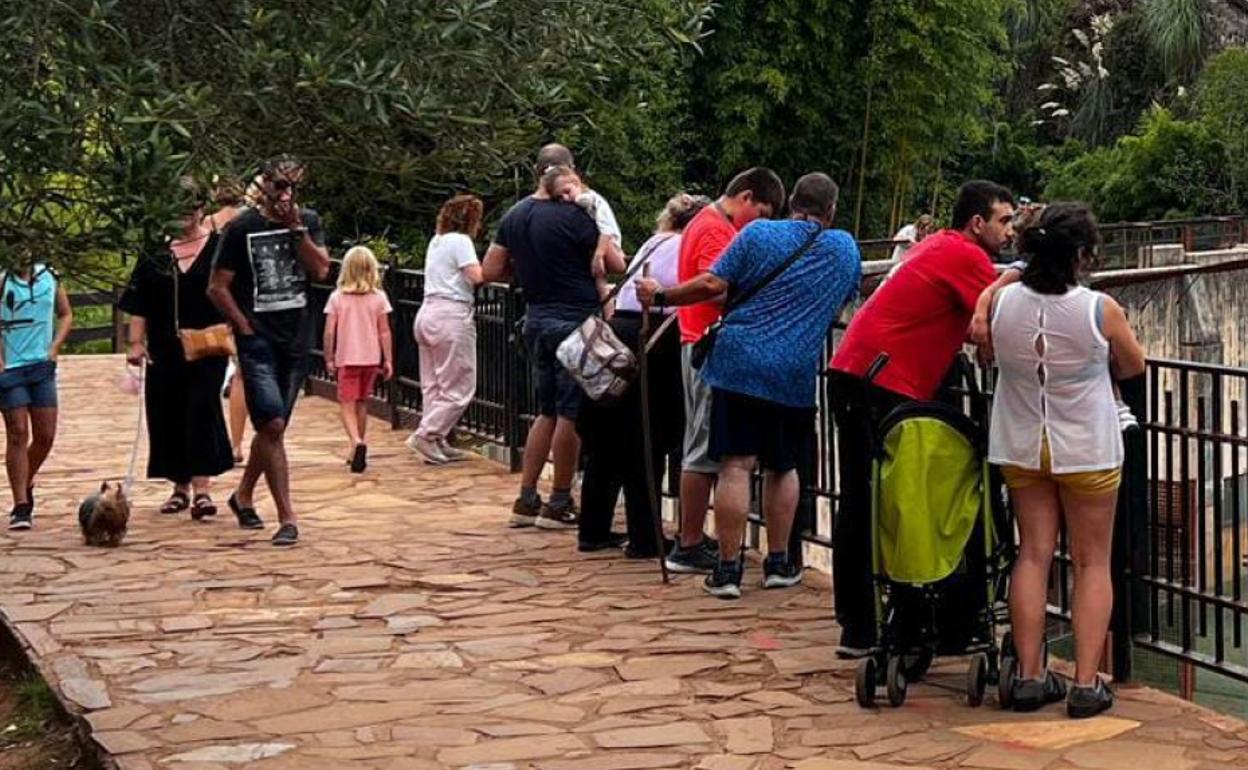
(744, 426)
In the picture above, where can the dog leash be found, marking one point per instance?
(138, 431)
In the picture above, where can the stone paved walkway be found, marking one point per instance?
(412, 630)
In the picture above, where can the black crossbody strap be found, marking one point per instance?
(748, 294)
(638, 263)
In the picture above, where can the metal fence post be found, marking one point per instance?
(513, 395)
(1129, 559)
(119, 321)
(391, 284)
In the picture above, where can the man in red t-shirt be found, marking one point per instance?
(753, 194)
(919, 318)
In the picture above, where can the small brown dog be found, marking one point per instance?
(104, 516)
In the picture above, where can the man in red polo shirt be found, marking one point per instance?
(753, 194)
(919, 318)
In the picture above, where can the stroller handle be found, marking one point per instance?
(875, 368)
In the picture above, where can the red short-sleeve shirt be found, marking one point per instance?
(705, 238)
(919, 316)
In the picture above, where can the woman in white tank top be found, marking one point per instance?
(1055, 433)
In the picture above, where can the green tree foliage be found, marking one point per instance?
(1169, 168)
(878, 94)
(1222, 103)
(395, 104)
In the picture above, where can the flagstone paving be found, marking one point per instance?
(412, 630)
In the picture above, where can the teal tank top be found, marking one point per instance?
(32, 301)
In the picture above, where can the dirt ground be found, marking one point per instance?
(33, 735)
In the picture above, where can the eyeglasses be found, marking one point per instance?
(282, 185)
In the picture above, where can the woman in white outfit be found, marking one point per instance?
(1055, 432)
(445, 329)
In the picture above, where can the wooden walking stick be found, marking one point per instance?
(647, 438)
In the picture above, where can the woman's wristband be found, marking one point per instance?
(660, 299)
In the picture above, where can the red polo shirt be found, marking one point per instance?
(705, 238)
(919, 316)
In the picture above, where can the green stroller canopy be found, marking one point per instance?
(929, 493)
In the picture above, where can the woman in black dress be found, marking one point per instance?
(186, 428)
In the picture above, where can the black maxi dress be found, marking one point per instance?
(185, 422)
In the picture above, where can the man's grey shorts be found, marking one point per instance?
(697, 417)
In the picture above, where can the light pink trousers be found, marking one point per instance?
(447, 338)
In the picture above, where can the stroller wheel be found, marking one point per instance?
(864, 683)
(1005, 683)
(896, 681)
(976, 680)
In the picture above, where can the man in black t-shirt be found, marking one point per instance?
(260, 281)
(548, 246)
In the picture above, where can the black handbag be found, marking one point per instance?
(706, 343)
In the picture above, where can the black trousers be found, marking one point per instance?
(614, 452)
(857, 408)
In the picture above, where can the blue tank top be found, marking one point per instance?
(33, 301)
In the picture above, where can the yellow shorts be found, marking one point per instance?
(1087, 483)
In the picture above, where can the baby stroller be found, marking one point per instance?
(941, 549)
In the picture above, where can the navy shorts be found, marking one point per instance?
(32, 386)
(558, 394)
(744, 426)
(272, 378)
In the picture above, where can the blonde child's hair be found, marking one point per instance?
(360, 272)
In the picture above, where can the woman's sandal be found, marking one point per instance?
(177, 502)
(203, 508)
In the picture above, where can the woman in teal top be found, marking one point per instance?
(35, 318)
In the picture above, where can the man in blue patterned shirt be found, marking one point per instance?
(764, 365)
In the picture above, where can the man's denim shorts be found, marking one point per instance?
(558, 394)
(272, 378)
(32, 386)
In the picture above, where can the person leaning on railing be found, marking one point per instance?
(1055, 433)
(445, 329)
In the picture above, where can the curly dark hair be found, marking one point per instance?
(1059, 244)
(461, 214)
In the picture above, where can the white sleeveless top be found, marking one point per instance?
(1054, 380)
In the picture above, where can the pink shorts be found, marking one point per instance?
(355, 383)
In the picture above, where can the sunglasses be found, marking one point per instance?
(282, 185)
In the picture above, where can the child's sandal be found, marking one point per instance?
(204, 507)
(176, 503)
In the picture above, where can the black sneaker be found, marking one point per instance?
(780, 573)
(613, 541)
(563, 516)
(247, 517)
(287, 534)
(725, 581)
(524, 514)
(1032, 694)
(22, 517)
(693, 561)
(1084, 702)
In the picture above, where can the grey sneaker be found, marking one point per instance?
(451, 454)
(1084, 702)
(698, 560)
(524, 514)
(426, 449)
(725, 581)
(1032, 694)
(558, 517)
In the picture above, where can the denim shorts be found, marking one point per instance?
(272, 378)
(558, 394)
(32, 386)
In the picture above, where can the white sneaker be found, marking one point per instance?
(449, 452)
(426, 449)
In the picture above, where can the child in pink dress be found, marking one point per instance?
(358, 345)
